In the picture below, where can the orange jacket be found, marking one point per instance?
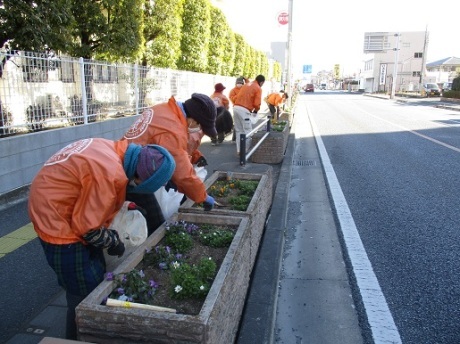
(275, 99)
(233, 92)
(249, 96)
(165, 125)
(220, 99)
(80, 188)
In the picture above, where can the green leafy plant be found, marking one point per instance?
(215, 237)
(193, 281)
(240, 202)
(278, 125)
(238, 191)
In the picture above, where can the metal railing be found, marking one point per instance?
(244, 156)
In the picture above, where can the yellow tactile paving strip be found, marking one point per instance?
(16, 239)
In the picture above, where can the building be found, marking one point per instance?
(405, 50)
(444, 70)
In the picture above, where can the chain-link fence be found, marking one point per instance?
(39, 91)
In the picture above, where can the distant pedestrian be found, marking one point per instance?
(247, 104)
(220, 99)
(73, 200)
(274, 101)
(232, 95)
(235, 90)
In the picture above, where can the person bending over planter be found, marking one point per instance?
(274, 101)
(171, 125)
(74, 198)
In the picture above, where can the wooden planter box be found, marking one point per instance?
(272, 149)
(256, 212)
(217, 321)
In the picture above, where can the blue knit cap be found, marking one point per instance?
(154, 166)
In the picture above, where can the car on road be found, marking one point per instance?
(447, 86)
(431, 89)
(309, 88)
(322, 86)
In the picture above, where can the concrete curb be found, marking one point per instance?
(258, 320)
(14, 197)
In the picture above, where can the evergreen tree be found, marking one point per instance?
(162, 33)
(196, 28)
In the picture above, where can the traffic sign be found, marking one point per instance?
(283, 18)
(307, 69)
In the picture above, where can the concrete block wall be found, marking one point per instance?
(22, 156)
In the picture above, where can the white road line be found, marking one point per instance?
(379, 317)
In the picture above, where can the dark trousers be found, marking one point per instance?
(149, 203)
(71, 326)
(274, 110)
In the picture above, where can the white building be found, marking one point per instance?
(444, 70)
(406, 50)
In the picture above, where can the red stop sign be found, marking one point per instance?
(283, 18)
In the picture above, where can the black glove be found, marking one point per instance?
(201, 162)
(116, 250)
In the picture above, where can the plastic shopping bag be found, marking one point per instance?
(130, 225)
(201, 172)
(169, 201)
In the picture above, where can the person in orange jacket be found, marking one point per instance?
(73, 200)
(220, 99)
(170, 125)
(247, 103)
(232, 95)
(274, 100)
(235, 90)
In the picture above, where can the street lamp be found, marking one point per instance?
(395, 70)
(289, 53)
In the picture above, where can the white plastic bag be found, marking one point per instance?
(169, 201)
(201, 172)
(130, 225)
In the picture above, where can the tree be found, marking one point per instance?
(240, 55)
(229, 52)
(216, 47)
(35, 25)
(110, 29)
(162, 33)
(195, 36)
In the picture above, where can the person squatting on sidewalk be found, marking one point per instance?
(247, 103)
(170, 124)
(274, 100)
(73, 200)
(224, 120)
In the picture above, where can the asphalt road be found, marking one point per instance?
(397, 165)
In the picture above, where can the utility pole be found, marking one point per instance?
(289, 53)
(395, 70)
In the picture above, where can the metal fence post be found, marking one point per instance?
(242, 149)
(84, 101)
(136, 87)
(269, 122)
